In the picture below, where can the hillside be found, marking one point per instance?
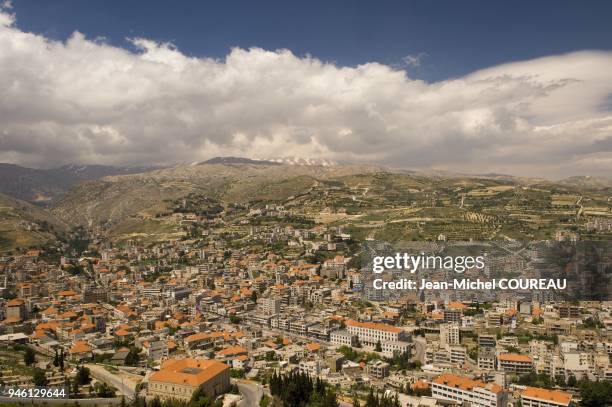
(371, 202)
(43, 186)
(24, 225)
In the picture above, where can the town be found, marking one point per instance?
(259, 306)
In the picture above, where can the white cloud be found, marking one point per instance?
(86, 101)
(414, 60)
(7, 5)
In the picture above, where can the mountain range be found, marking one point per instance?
(37, 205)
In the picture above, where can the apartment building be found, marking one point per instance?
(515, 363)
(370, 333)
(465, 390)
(343, 338)
(449, 334)
(536, 397)
(487, 359)
(378, 369)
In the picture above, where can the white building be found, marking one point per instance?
(465, 390)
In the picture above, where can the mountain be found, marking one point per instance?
(237, 161)
(25, 225)
(43, 186)
(368, 201)
(588, 182)
(303, 161)
(117, 198)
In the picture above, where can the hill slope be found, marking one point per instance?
(25, 225)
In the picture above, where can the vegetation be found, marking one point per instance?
(299, 390)
(381, 400)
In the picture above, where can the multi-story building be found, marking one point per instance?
(370, 333)
(378, 369)
(452, 315)
(515, 363)
(569, 311)
(270, 306)
(487, 359)
(342, 338)
(449, 334)
(466, 390)
(486, 341)
(179, 378)
(536, 397)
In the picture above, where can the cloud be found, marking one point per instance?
(6, 4)
(414, 60)
(85, 101)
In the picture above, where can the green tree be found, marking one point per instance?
(596, 394)
(103, 390)
(571, 381)
(83, 375)
(378, 347)
(29, 357)
(39, 377)
(133, 356)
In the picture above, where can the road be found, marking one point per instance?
(419, 349)
(125, 387)
(63, 402)
(251, 392)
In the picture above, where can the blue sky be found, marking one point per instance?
(521, 88)
(453, 38)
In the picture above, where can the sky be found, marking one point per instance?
(468, 86)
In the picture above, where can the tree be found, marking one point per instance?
(595, 394)
(133, 356)
(83, 375)
(29, 357)
(103, 390)
(61, 360)
(39, 377)
(378, 347)
(571, 381)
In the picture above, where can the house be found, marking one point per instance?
(179, 378)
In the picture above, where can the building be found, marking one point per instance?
(342, 338)
(486, 341)
(16, 310)
(270, 306)
(536, 397)
(179, 378)
(569, 311)
(378, 369)
(515, 363)
(465, 390)
(449, 334)
(487, 359)
(452, 315)
(370, 333)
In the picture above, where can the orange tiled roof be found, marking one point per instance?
(515, 357)
(80, 347)
(313, 347)
(466, 383)
(231, 351)
(193, 372)
(547, 395)
(15, 302)
(456, 305)
(372, 325)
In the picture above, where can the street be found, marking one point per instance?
(123, 386)
(252, 393)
